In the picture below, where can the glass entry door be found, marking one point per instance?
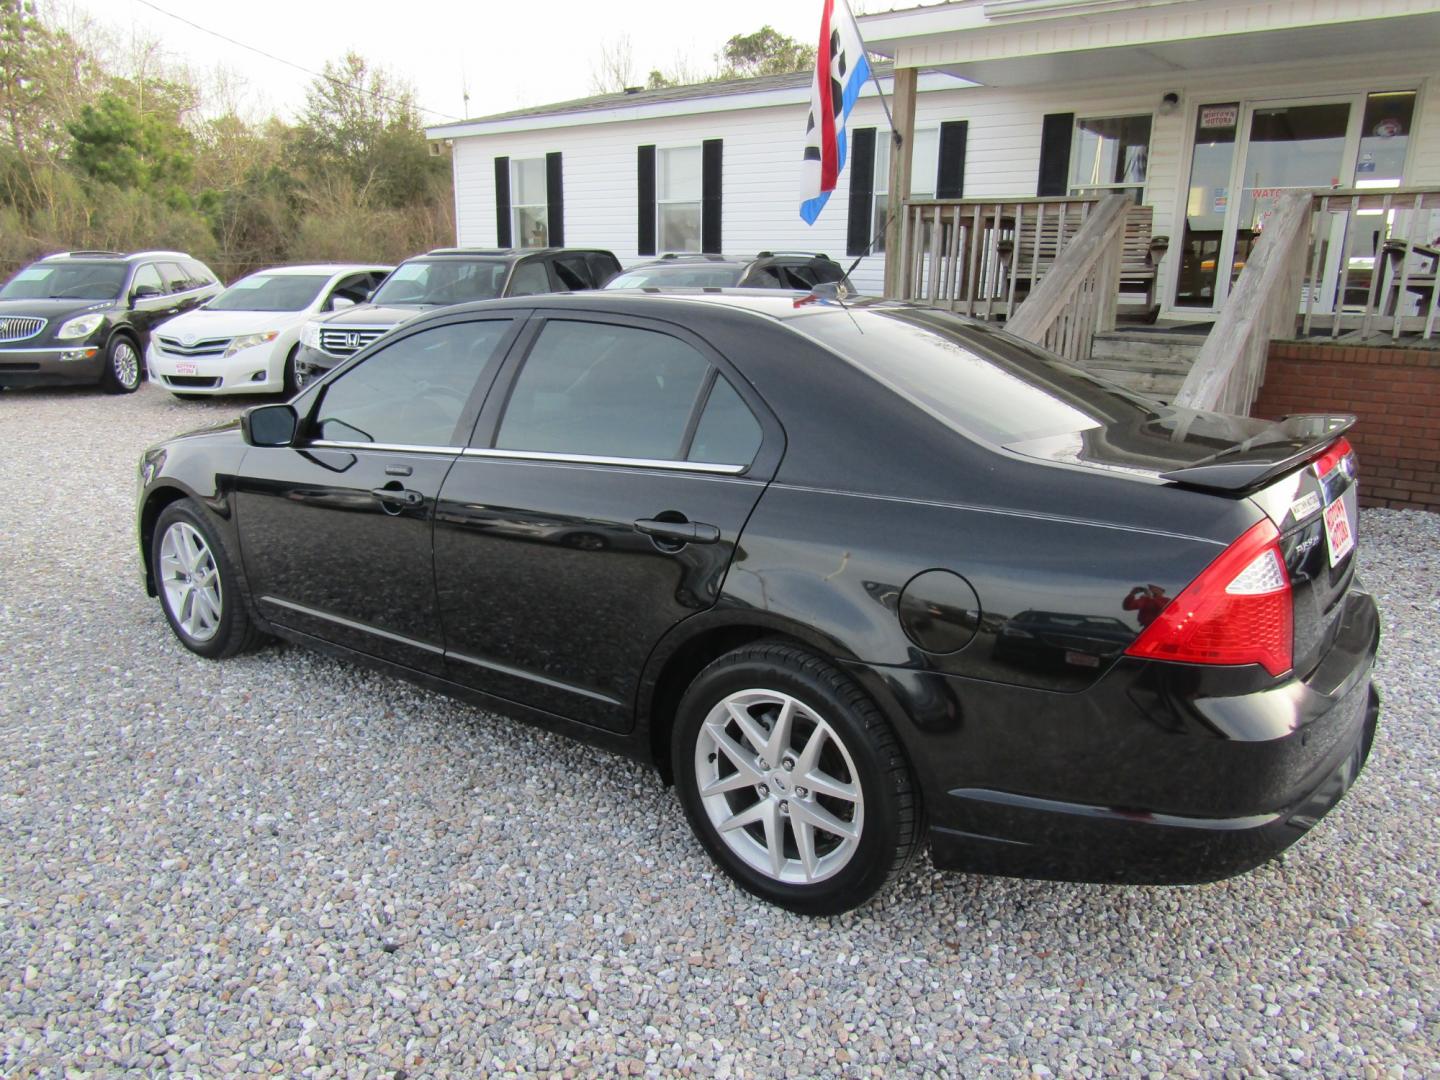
(1246, 157)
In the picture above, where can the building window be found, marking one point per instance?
(924, 171)
(1111, 154)
(678, 191)
(529, 204)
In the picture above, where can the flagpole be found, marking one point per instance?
(880, 93)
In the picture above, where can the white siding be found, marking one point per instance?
(762, 147)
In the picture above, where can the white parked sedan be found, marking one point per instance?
(244, 340)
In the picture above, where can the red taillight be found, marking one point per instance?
(1238, 611)
(1335, 453)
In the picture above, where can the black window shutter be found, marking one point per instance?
(555, 199)
(951, 182)
(712, 156)
(645, 185)
(502, 202)
(1055, 139)
(862, 190)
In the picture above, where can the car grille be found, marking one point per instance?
(342, 341)
(191, 380)
(204, 347)
(20, 327)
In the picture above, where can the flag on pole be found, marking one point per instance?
(841, 68)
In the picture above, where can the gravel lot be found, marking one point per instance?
(284, 864)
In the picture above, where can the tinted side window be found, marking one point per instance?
(572, 272)
(147, 275)
(411, 393)
(827, 271)
(602, 268)
(764, 277)
(200, 276)
(529, 279)
(798, 277)
(176, 279)
(728, 433)
(604, 391)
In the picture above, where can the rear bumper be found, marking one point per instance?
(51, 366)
(1043, 838)
(1158, 774)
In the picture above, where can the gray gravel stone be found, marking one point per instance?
(286, 865)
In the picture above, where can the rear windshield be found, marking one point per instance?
(677, 277)
(979, 381)
(443, 281)
(270, 292)
(69, 281)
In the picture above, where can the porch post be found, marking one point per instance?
(903, 101)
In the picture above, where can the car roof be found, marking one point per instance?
(508, 252)
(323, 268)
(778, 304)
(117, 256)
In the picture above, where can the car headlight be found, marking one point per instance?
(82, 326)
(249, 341)
(310, 335)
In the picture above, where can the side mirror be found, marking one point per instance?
(269, 425)
(340, 303)
(143, 292)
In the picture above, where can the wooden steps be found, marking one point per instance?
(1148, 362)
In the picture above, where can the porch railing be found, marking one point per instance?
(1372, 261)
(982, 257)
(1228, 372)
(1355, 264)
(1077, 298)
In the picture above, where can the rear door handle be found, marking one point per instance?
(404, 496)
(679, 532)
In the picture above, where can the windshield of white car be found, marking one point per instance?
(66, 281)
(443, 281)
(270, 292)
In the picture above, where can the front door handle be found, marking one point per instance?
(403, 496)
(679, 532)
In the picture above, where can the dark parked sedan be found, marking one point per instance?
(791, 554)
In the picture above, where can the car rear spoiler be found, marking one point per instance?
(1283, 446)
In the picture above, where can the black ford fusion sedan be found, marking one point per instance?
(858, 578)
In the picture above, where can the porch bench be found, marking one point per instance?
(1140, 257)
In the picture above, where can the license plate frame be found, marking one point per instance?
(186, 367)
(1339, 532)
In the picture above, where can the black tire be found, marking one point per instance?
(292, 379)
(233, 632)
(890, 815)
(124, 366)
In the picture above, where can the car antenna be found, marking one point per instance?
(827, 293)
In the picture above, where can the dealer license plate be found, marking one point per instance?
(184, 368)
(1338, 534)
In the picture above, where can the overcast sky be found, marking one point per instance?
(511, 53)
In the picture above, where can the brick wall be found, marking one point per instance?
(1396, 394)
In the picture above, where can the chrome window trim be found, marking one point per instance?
(394, 448)
(587, 459)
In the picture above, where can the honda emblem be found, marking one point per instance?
(352, 341)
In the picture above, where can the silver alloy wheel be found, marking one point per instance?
(191, 581)
(779, 786)
(125, 362)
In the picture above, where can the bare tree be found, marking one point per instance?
(614, 71)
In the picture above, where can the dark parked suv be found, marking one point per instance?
(86, 316)
(448, 276)
(801, 270)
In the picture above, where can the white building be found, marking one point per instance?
(1203, 110)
